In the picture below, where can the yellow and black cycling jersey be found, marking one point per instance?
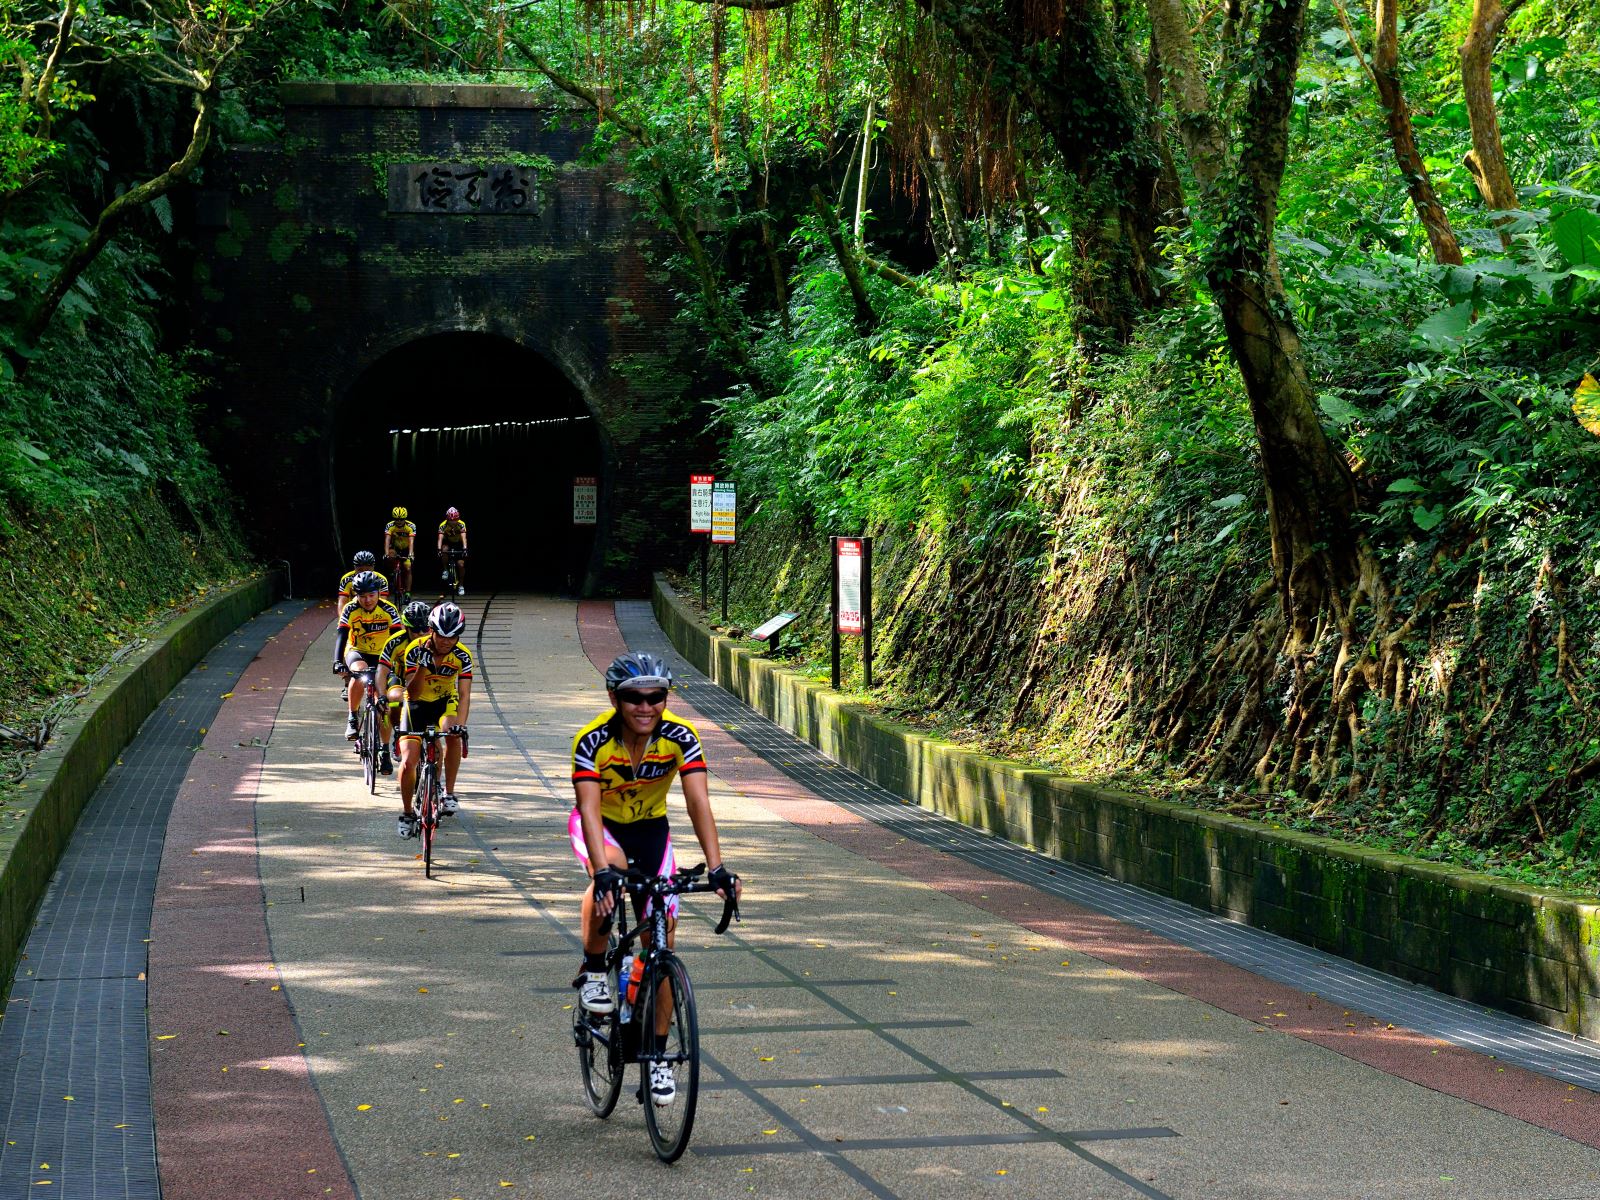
(626, 795)
(389, 655)
(453, 532)
(439, 675)
(400, 534)
(346, 595)
(369, 629)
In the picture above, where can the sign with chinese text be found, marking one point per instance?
(503, 189)
(850, 616)
(723, 499)
(700, 503)
(585, 500)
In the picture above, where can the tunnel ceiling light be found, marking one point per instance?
(495, 425)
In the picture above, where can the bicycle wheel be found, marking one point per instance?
(369, 746)
(670, 1124)
(600, 1062)
(429, 813)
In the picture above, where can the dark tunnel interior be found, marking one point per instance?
(480, 423)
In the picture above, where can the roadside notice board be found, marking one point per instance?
(850, 606)
(585, 500)
(723, 500)
(700, 503)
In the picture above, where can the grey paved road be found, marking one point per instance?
(866, 1034)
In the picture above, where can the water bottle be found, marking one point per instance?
(635, 974)
(626, 975)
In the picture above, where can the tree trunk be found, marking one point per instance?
(858, 224)
(1071, 74)
(780, 280)
(112, 216)
(1386, 75)
(847, 259)
(1487, 158)
(1310, 492)
(944, 194)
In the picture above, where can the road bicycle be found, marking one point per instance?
(430, 788)
(398, 569)
(653, 1020)
(369, 739)
(450, 577)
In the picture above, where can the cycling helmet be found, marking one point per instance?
(367, 581)
(398, 512)
(364, 558)
(453, 514)
(416, 616)
(641, 670)
(447, 620)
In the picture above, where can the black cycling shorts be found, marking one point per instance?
(420, 714)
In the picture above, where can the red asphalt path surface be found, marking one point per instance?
(237, 1113)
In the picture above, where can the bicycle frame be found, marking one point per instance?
(639, 1039)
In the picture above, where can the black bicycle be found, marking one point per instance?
(369, 739)
(450, 577)
(430, 788)
(654, 1017)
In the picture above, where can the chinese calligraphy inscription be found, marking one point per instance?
(494, 188)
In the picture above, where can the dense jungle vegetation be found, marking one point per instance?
(111, 514)
(1216, 378)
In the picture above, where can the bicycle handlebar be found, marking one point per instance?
(681, 882)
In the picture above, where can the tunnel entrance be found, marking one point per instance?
(476, 422)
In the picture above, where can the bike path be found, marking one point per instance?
(889, 1021)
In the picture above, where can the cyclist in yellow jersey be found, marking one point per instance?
(623, 764)
(453, 541)
(363, 561)
(437, 672)
(398, 550)
(365, 624)
(414, 621)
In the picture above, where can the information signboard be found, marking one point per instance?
(700, 503)
(585, 500)
(850, 607)
(723, 500)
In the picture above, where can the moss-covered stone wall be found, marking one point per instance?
(1530, 952)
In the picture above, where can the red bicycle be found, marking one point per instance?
(430, 788)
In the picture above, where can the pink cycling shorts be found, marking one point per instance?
(655, 845)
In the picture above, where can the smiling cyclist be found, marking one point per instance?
(623, 764)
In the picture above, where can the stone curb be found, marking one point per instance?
(1488, 940)
(87, 743)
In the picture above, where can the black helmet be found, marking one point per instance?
(364, 558)
(447, 620)
(640, 670)
(416, 616)
(367, 581)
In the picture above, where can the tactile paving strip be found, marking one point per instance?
(74, 1042)
(1338, 980)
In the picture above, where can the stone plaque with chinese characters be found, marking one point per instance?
(496, 189)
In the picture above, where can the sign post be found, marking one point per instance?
(724, 501)
(585, 500)
(700, 521)
(852, 600)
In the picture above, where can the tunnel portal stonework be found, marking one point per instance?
(393, 213)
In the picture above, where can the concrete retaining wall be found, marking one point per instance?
(38, 822)
(1498, 943)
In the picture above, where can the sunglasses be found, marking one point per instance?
(642, 697)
